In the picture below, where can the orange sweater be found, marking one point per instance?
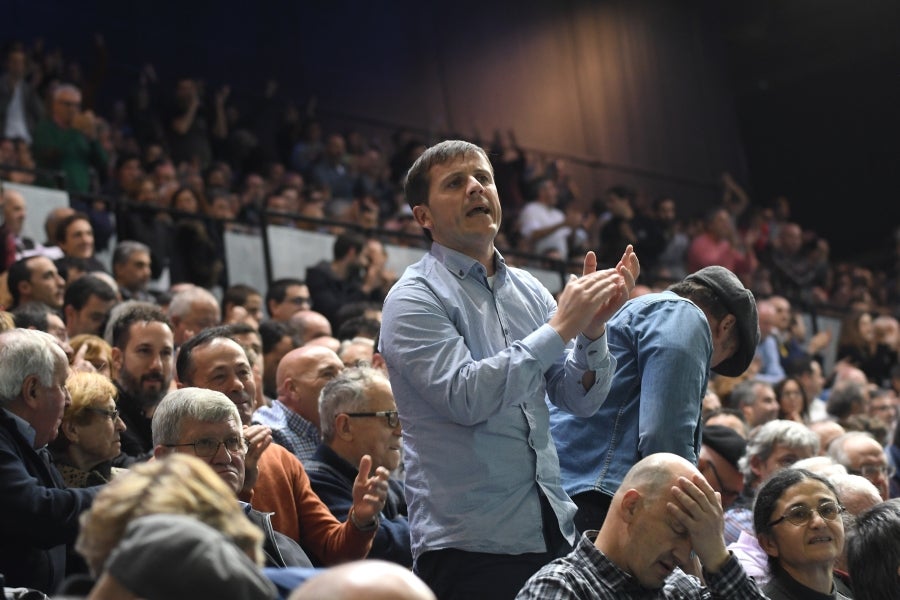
(283, 488)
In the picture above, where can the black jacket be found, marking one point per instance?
(38, 514)
(280, 550)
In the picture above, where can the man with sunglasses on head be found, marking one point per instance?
(358, 416)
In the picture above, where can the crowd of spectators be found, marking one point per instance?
(177, 153)
(176, 164)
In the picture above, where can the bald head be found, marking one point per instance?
(827, 431)
(327, 341)
(768, 317)
(640, 512)
(656, 474)
(13, 210)
(53, 218)
(370, 578)
(302, 374)
(309, 324)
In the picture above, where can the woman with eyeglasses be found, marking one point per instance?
(89, 435)
(797, 518)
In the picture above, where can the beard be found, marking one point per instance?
(150, 398)
(145, 397)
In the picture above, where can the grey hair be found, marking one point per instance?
(181, 302)
(856, 493)
(126, 248)
(27, 352)
(836, 447)
(823, 465)
(844, 395)
(346, 392)
(200, 404)
(779, 432)
(744, 393)
(64, 87)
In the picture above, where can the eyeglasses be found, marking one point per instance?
(726, 493)
(112, 414)
(299, 300)
(801, 514)
(873, 470)
(392, 416)
(208, 447)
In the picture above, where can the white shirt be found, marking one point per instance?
(15, 126)
(536, 216)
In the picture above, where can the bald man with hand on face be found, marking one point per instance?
(664, 518)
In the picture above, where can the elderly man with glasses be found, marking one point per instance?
(207, 424)
(275, 479)
(358, 416)
(861, 454)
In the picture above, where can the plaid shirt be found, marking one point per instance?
(587, 573)
(289, 429)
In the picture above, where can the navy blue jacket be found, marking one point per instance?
(332, 479)
(38, 514)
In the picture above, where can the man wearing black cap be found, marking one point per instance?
(665, 345)
(720, 451)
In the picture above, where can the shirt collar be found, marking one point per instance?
(461, 265)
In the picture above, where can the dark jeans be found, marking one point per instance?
(459, 575)
(592, 509)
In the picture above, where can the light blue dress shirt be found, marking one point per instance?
(770, 369)
(471, 368)
(289, 429)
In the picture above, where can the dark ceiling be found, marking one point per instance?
(817, 90)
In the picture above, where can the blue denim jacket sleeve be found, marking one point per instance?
(661, 344)
(674, 365)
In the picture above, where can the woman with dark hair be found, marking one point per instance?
(196, 255)
(793, 405)
(858, 345)
(873, 554)
(797, 518)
